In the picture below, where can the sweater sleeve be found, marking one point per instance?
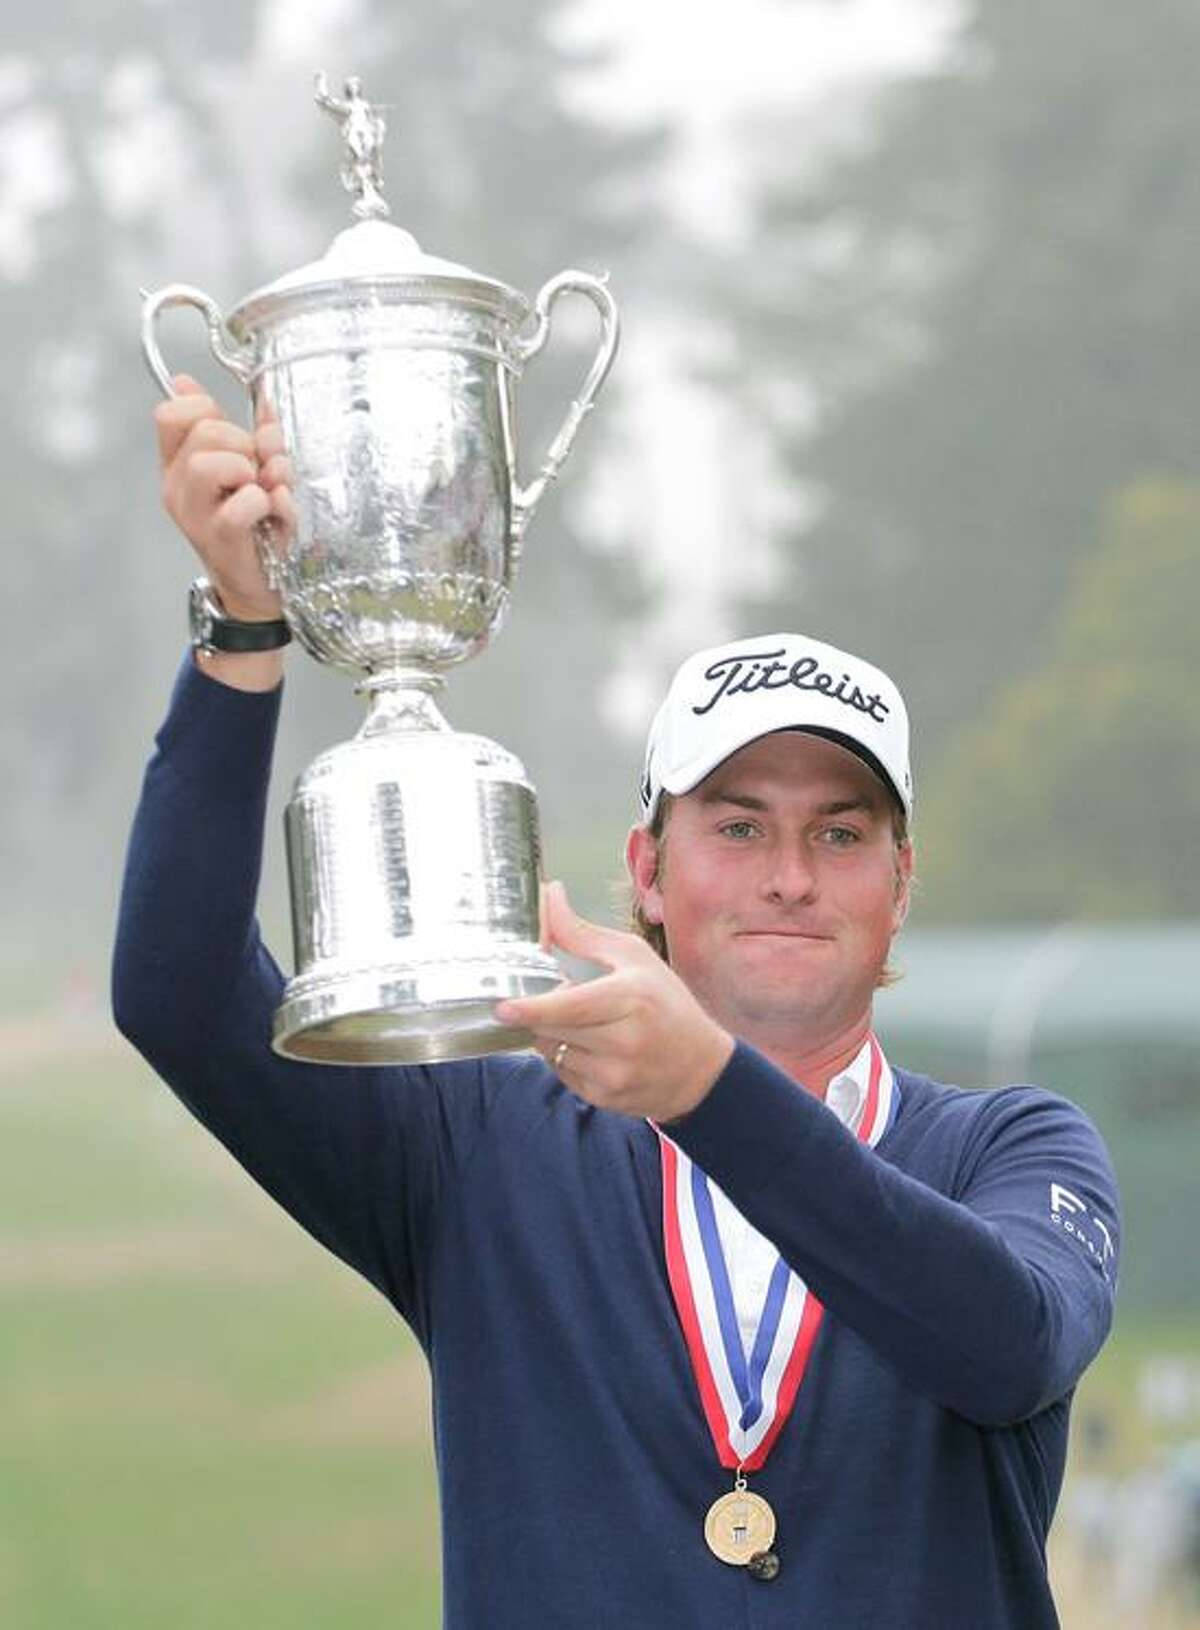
(992, 1299)
(358, 1156)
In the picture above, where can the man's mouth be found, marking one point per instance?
(782, 934)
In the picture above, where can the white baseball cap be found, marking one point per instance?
(729, 695)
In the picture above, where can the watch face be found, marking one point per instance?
(200, 616)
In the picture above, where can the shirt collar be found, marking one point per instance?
(847, 1092)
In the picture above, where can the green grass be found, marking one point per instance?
(207, 1422)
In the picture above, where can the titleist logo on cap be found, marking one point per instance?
(745, 672)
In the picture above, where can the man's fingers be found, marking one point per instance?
(284, 511)
(599, 1075)
(276, 472)
(567, 1067)
(175, 418)
(593, 1047)
(569, 1051)
(220, 436)
(268, 440)
(597, 1001)
(570, 1010)
(185, 386)
(240, 513)
(197, 483)
(191, 424)
(574, 934)
(215, 473)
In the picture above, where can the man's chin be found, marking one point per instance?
(779, 961)
(782, 1007)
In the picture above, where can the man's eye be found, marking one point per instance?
(840, 837)
(739, 829)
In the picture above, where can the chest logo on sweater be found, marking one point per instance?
(1070, 1213)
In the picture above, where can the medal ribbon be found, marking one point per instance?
(746, 1400)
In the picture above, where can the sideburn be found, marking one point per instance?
(653, 933)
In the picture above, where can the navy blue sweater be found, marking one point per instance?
(519, 1232)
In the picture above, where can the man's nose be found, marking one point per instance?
(790, 877)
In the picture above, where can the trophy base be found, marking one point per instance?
(414, 861)
(408, 1015)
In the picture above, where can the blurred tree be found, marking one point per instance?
(97, 106)
(1078, 792)
(972, 325)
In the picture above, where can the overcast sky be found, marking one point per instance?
(684, 61)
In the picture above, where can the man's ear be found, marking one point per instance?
(643, 857)
(903, 892)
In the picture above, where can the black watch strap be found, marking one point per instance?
(230, 635)
(213, 630)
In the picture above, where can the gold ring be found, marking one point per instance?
(560, 1052)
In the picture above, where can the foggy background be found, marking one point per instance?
(909, 362)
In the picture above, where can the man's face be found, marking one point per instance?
(780, 888)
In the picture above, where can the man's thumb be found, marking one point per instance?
(562, 926)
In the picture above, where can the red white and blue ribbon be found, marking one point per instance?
(746, 1395)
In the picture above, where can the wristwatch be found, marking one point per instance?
(213, 629)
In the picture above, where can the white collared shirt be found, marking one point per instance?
(749, 1256)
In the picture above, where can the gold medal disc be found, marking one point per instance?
(738, 1526)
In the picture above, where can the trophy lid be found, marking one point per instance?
(374, 249)
(371, 248)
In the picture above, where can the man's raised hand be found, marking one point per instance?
(219, 481)
(637, 1041)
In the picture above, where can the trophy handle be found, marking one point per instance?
(182, 294)
(526, 499)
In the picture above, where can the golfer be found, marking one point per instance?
(731, 1319)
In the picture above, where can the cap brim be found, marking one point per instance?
(860, 752)
(677, 786)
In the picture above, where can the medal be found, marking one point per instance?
(747, 1385)
(739, 1526)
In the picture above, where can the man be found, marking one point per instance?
(729, 1321)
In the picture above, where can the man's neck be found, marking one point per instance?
(813, 1065)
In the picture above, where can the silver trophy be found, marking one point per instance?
(413, 850)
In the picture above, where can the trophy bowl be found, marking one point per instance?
(395, 398)
(413, 851)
